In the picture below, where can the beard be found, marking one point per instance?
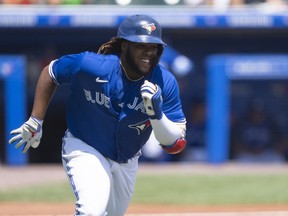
(135, 67)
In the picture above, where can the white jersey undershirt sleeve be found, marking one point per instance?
(167, 131)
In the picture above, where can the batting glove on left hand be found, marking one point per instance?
(30, 133)
(152, 97)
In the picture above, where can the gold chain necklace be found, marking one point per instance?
(127, 74)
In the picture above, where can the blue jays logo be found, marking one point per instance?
(150, 27)
(141, 126)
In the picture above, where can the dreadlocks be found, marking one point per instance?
(111, 47)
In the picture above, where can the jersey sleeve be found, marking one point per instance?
(63, 70)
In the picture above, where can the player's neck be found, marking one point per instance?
(130, 76)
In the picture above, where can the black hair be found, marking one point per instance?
(111, 47)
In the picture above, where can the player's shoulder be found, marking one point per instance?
(100, 62)
(163, 73)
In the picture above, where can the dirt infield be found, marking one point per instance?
(68, 209)
(17, 176)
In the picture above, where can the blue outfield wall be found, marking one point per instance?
(221, 69)
(13, 72)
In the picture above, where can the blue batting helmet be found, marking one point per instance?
(141, 29)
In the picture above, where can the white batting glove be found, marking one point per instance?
(152, 97)
(30, 133)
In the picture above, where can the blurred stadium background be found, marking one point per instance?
(229, 56)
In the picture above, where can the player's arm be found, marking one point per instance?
(170, 134)
(30, 133)
(45, 90)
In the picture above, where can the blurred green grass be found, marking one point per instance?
(206, 189)
(176, 189)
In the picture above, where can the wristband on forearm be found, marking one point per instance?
(176, 147)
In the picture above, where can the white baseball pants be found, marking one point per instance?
(101, 186)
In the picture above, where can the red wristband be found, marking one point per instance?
(176, 148)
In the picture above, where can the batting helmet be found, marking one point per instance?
(140, 29)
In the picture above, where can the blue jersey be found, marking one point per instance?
(105, 109)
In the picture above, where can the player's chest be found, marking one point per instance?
(116, 97)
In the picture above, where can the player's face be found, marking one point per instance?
(141, 58)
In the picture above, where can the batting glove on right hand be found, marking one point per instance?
(152, 97)
(30, 133)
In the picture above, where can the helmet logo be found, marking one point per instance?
(150, 27)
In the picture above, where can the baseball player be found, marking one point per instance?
(119, 96)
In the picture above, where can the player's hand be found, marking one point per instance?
(29, 134)
(152, 97)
